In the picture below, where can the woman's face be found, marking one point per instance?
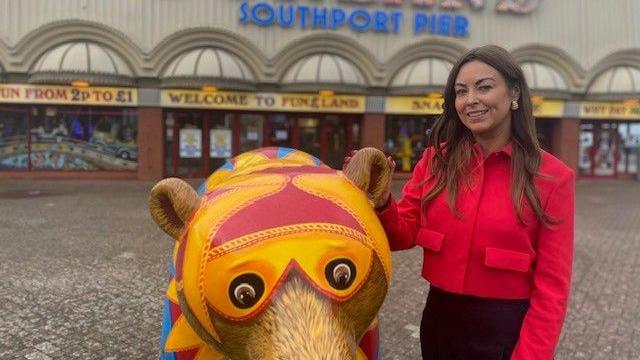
(483, 99)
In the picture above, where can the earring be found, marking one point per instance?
(514, 105)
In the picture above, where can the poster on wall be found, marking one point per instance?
(282, 135)
(190, 143)
(252, 135)
(220, 143)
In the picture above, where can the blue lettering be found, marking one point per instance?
(263, 14)
(338, 17)
(461, 27)
(396, 19)
(432, 23)
(359, 20)
(304, 12)
(445, 25)
(319, 17)
(287, 21)
(420, 21)
(380, 22)
(244, 14)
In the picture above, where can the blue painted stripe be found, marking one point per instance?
(316, 160)
(283, 152)
(227, 166)
(202, 188)
(172, 269)
(166, 328)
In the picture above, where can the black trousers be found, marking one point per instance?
(460, 327)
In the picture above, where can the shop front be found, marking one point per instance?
(609, 139)
(63, 129)
(407, 128)
(202, 130)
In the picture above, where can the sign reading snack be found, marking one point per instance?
(263, 101)
(429, 106)
(610, 110)
(413, 105)
(67, 95)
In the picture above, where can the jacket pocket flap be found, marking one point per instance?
(429, 239)
(507, 259)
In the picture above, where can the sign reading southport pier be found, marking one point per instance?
(262, 101)
(360, 16)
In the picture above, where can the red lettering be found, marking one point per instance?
(29, 92)
(9, 93)
(61, 94)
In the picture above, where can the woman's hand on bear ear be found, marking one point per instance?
(384, 200)
(379, 174)
(348, 158)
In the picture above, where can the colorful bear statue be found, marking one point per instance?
(278, 257)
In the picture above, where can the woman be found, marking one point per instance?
(494, 215)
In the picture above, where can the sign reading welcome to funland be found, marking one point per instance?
(364, 18)
(262, 101)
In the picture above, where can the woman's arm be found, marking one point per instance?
(551, 277)
(401, 220)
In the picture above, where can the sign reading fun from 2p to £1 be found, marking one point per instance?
(67, 95)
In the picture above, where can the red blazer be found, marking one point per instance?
(486, 251)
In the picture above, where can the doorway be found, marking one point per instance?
(199, 142)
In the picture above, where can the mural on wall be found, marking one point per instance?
(68, 140)
(289, 283)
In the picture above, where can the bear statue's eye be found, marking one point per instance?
(246, 290)
(340, 273)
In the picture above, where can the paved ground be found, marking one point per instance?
(83, 274)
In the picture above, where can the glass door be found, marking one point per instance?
(629, 148)
(280, 132)
(308, 139)
(328, 137)
(219, 139)
(251, 132)
(586, 146)
(189, 144)
(599, 149)
(338, 140)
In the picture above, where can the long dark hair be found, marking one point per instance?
(453, 142)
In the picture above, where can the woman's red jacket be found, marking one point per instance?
(485, 250)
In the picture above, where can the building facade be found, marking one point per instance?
(153, 88)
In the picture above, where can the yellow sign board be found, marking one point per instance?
(427, 106)
(67, 95)
(549, 109)
(413, 105)
(609, 110)
(262, 101)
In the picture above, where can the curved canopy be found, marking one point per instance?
(617, 80)
(208, 65)
(324, 70)
(542, 77)
(82, 60)
(423, 73)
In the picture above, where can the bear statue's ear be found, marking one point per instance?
(368, 169)
(172, 203)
